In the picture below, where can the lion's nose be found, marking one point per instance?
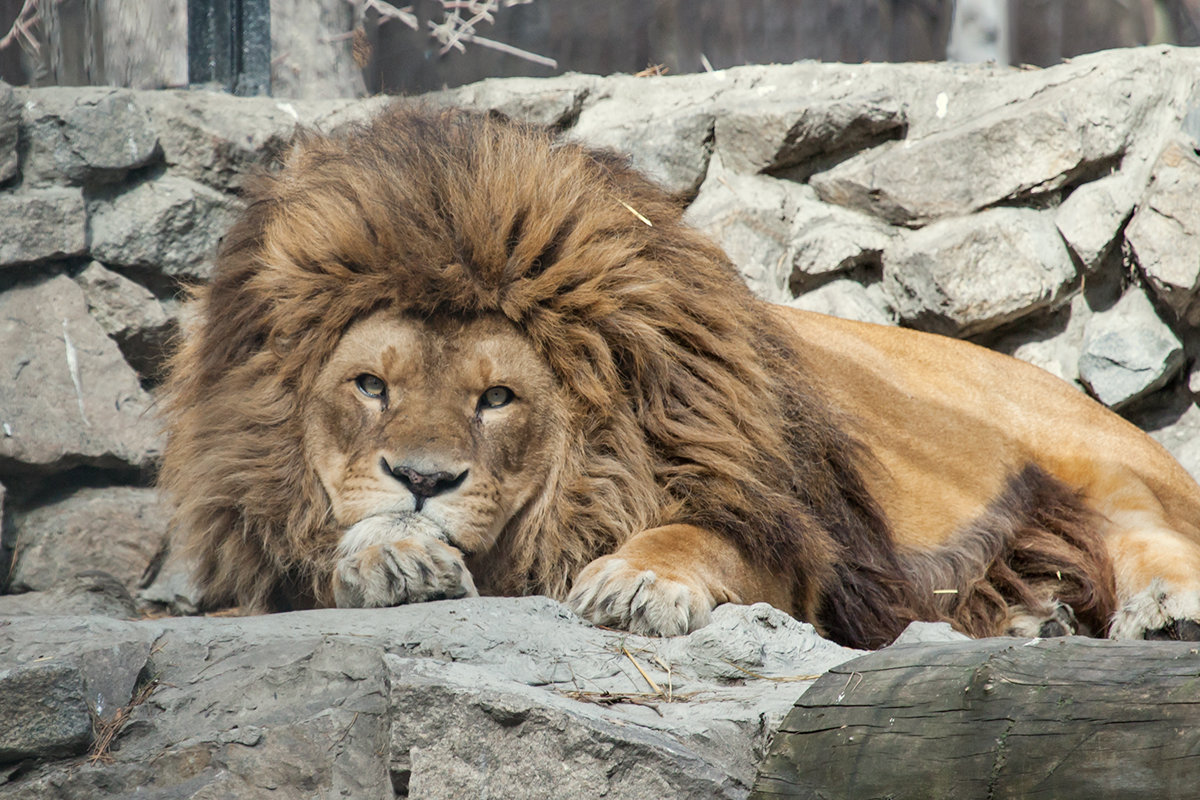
(424, 485)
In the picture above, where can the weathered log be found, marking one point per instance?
(996, 718)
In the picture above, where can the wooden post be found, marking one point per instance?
(996, 718)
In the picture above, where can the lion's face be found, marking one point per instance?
(443, 425)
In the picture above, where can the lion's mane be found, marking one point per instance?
(686, 403)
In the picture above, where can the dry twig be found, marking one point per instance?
(108, 730)
(21, 30)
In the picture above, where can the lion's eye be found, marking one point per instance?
(371, 385)
(496, 397)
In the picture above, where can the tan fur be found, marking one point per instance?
(671, 443)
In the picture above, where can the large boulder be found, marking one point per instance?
(466, 698)
(68, 397)
(118, 530)
(1128, 352)
(85, 135)
(1164, 230)
(169, 226)
(40, 225)
(966, 276)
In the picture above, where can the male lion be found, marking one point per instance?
(445, 353)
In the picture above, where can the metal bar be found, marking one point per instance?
(229, 43)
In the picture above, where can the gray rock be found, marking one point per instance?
(828, 239)
(117, 530)
(846, 299)
(1181, 437)
(171, 225)
(665, 125)
(1091, 217)
(1034, 146)
(1164, 230)
(45, 711)
(217, 138)
(516, 741)
(78, 594)
(779, 235)
(1054, 344)
(553, 101)
(86, 135)
(41, 224)
(926, 632)
(67, 396)
(130, 314)
(1128, 352)
(778, 130)
(10, 127)
(172, 588)
(966, 276)
(752, 219)
(507, 697)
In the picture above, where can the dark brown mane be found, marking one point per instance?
(687, 404)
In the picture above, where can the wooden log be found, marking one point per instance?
(996, 718)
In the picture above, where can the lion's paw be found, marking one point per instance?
(1158, 612)
(414, 569)
(1054, 619)
(615, 593)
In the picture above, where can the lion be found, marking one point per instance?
(445, 353)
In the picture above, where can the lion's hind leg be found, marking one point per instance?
(1034, 564)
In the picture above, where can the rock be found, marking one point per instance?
(966, 276)
(45, 711)
(1128, 352)
(512, 740)
(67, 397)
(751, 218)
(1054, 344)
(553, 101)
(1180, 435)
(217, 138)
(529, 701)
(665, 125)
(843, 298)
(779, 235)
(1164, 230)
(927, 632)
(10, 126)
(171, 226)
(778, 130)
(130, 314)
(828, 239)
(172, 588)
(118, 530)
(41, 224)
(8, 540)
(1091, 217)
(86, 135)
(78, 594)
(1038, 145)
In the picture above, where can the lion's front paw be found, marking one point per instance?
(1159, 611)
(413, 569)
(613, 592)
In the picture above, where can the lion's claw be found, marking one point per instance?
(414, 569)
(612, 592)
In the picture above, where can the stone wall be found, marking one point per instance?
(1053, 215)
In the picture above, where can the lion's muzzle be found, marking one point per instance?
(424, 485)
